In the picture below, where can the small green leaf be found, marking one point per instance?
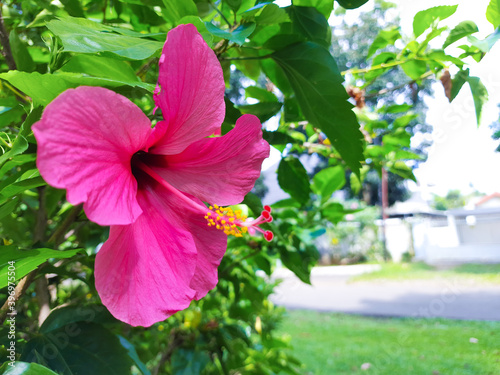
(493, 13)
(317, 84)
(460, 31)
(479, 94)
(384, 38)
(457, 83)
(262, 95)
(414, 68)
(27, 260)
(24, 368)
(237, 36)
(329, 180)
(401, 169)
(334, 212)
(293, 179)
(425, 18)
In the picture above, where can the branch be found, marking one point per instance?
(4, 41)
(20, 289)
(385, 91)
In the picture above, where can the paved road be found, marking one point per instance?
(446, 298)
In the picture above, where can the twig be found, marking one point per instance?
(58, 235)
(385, 91)
(20, 289)
(4, 41)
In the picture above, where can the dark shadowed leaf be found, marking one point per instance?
(317, 84)
(80, 348)
(311, 24)
(292, 178)
(189, 362)
(85, 36)
(351, 4)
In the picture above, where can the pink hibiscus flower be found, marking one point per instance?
(149, 184)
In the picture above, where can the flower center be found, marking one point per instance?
(235, 222)
(223, 218)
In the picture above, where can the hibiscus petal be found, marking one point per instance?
(211, 246)
(86, 138)
(219, 170)
(145, 271)
(191, 93)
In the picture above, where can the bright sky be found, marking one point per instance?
(462, 154)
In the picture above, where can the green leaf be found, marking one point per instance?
(400, 138)
(263, 110)
(325, 7)
(277, 138)
(311, 24)
(493, 13)
(8, 207)
(237, 36)
(293, 179)
(73, 7)
(20, 53)
(85, 36)
(425, 18)
(401, 169)
(189, 362)
(299, 258)
(27, 260)
(233, 4)
(384, 38)
(277, 76)
(132, 353)
(457, 83)
(262, 95)
(272, 14)
(479, 94)
(43, 88)
(20, 187)
(356, 182)
(200, 26)
(414, 68)
(463, 29)
(351, 4)
(80, 348)
(317, 84)
(396, 108)
(329, 180)
(24, 368)
(176, 10)
(334, 212)
(402, 121)
(18, 147)
(381, 58)
(104, 67)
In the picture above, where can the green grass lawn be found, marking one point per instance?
(336, 344)
(482, 273)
